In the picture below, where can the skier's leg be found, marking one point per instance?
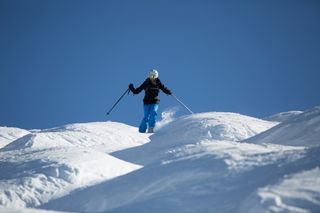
(144, 123)
(153, 115)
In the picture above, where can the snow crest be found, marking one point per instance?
(301, 130)
(51, 163)
(103, 136)
(214, 125)
(283, 116)
(9, 134)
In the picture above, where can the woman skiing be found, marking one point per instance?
(151, 86)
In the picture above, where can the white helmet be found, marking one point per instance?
(153, 74)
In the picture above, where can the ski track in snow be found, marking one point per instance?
(206, 162)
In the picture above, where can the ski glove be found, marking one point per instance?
(131, 87)
(169, 92)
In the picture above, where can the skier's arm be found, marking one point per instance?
(137, 90)
(164, 88)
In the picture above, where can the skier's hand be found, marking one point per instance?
(169, 92)
(131, 87)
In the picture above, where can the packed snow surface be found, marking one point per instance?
(9, 134)
(301, 130)
(106, 137)
(50, 163)
(205, 162)
(283, 116)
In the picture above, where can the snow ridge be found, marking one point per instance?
(9, 134)
(283, 116)
(47, 164)
(301, 130)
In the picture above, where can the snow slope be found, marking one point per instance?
(25, 210)
(48, 164)
(293, 193)
(301, 130)
(9, 134)
(204, 162)
(283, 116)
(102, 136)
(195, 164)
(198, 180)
(195, 128)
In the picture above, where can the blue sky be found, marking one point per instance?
(69, 61)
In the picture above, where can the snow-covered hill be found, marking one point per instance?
(47, 164)
(206, 162)
(300, 130)
(106, 137)
(193, 129)
(283, 116)
(9, 134)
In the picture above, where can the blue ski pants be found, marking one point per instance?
(150, 117)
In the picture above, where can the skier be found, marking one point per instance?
(151, 100)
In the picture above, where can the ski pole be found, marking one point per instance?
(127, 91)
(182, 103)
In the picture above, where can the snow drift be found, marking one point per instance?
(50, 163)
(192, 129)
(9, 134)
(301, 130)
(206, 162)
(103, 136)
(283, 116)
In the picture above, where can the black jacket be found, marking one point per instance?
(151, 89)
